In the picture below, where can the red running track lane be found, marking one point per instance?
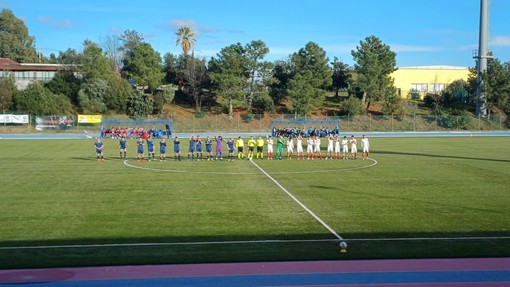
(261, 268)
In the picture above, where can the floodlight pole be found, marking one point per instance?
(481, 59)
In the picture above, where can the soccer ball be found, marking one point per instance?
(343, 245)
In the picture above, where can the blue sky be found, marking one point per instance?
(432, 32)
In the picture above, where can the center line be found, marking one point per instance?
(299, 202)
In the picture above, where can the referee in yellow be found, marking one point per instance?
(260, 148)
(240, 148)
(251, 146)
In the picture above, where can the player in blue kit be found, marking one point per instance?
(198, 147)
(162, 149)
(139, 145)
(99, 149)
(177, 149)
(230, 145)
(150, 148)
(122, 147)
(191, 151)
(208, 148)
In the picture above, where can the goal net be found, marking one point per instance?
(306, 128)
(136, 128)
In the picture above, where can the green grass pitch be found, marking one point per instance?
(425, 198)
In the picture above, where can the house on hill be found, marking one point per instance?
(26, 73)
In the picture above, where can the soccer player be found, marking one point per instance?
(260, 148)
(177, 149)
(251, 146)
(198, 148)
(122, 147)
(240, 148)
(365, 145)
(345, 148)
(208, 148)
(150, 148)
(337, 147)
(191, 151)
(269, 142)
(290, 148)
(139, 145)
(317, 147)
(354, 147)
(219, 147)
(99, 149)
(230, 144)
(309, 147)
(329, 150)
(299, 147)
(279, 147)
(162, 149)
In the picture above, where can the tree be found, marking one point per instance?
(112, 47)
(15, 42)
(228, 74)
(281, 74)
(170, 68)
(36, 99)
(186, 39)
(341, 75)
(311, 77)
(497, 85)
(91, 96)
(94, 65)
(117, 93)
(7, 91)
(374, 64)
(258, 70)
(196, 81)
(139, 104)
(65, 83)
(143, 66)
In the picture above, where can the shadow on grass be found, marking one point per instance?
(438, 156)
(210, 249)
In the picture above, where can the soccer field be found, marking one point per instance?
(415, 198)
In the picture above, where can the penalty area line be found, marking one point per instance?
(300, 203)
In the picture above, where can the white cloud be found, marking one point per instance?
(196, 27)
(62, 24)
(500, 41)
(399, 48)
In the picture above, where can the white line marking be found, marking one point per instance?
(252, 173)
(149, 244)
(299, 202)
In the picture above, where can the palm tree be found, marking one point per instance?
(185, 38)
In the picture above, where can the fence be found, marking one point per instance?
(261, 123)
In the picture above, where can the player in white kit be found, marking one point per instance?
(337, 147)
(365, 145)
(299, 147)
(354, 147)
(329, 150)
(317, 147)
(290, 148)
(269, 142)
(309, 147)
(345, 148)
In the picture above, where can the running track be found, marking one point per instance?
(487, 272)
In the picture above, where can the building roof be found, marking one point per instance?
(434, 67)
(7, 64)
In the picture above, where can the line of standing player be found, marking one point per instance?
(337, 148)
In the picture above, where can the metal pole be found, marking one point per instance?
(482, 59)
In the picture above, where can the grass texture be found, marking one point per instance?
(416, 198)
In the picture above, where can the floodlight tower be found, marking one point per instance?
(481, 58)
